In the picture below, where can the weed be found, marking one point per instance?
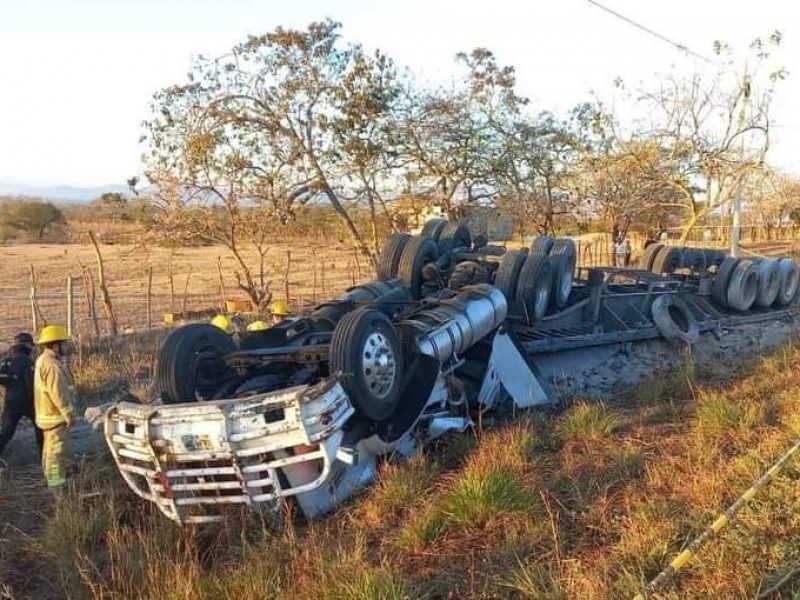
(535, 581)
(588, 421)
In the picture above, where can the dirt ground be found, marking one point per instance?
(315, 271)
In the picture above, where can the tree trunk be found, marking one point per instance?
(112, 319)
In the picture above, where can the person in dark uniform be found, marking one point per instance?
(16, 376)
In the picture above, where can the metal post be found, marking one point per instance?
(70, 307)
(737, 200)
(149, 297)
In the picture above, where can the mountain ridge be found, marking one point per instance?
(62, 193)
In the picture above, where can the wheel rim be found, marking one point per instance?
(541, 298)
(378, 365)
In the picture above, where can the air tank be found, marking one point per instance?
(456, 324)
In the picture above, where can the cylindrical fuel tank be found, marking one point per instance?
(458, 323)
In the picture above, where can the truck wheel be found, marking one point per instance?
(433, 228)
(534, 285)
(455, 234)
(562, 261)
(789, 281)
(720, 290)
(390, 255)
(419, 252)
(769, 282)
(508, 272)
(674, 320)
(743, 286)
(649, 256)
(667, 260)
(367, 354)
(543, 244)
(190, 363)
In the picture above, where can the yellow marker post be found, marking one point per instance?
(719, 523)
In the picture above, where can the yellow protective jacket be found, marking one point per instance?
(53, 391)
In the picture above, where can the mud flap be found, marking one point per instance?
(510, 371)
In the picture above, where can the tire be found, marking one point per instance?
(667, 260)
(371, 380)
(694, 260)
(789, 281)
(418, 252)
(719, 292)
(543, 244)
(674, 320)
(455, 234)
(389, 258)
(190, 365)
(649, 256)
(769, 282)
(508, 272)
(562, 261)
(743, 286)
(534, 285)
(433, 228)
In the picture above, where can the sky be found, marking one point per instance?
(76, 76)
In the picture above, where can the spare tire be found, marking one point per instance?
(543, 244)
(720, 290)
(743, 286)
(389, 258)
(433, 228)
(534, 285)
(366, 353)
(508, 272)
(674, 320)
(649, 256)
(789, 281)
(467, 273)
(769, 282)
(190, 364)
(562, 261)
(455, 234)
(667, 260)
(419, 252)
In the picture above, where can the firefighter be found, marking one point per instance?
(279, 311)
(258, 325)
(16, 375)
(225, 323)
(54, 403)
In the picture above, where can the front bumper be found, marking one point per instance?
(197, 461)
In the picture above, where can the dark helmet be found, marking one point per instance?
(24, 340)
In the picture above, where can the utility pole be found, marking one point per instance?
(737, 200)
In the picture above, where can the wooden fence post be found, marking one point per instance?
(112, 318)
(185, 292)
(149, 297)
(286, 277)
(70, 305)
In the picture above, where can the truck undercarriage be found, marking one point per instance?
(305, 410)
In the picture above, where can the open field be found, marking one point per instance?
(587, 503)
(315, 271)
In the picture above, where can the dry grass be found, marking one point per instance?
(588, 504)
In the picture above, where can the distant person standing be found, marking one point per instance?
(626, 252)
(54, 399)
(619, 252)
(16, 376)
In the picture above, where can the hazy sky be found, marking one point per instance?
(76, 76)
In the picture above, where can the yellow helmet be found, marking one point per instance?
(225, 323)
(280, 308)
(259, 325)
(53, 333)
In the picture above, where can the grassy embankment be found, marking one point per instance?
(588, 503)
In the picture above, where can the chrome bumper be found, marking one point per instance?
(195, 461)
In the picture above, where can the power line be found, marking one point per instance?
(680, 47)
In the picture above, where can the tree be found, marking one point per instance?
(451, 138)
(260, 126)
(713, 132)
(30, 216)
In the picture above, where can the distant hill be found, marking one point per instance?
(61, 193)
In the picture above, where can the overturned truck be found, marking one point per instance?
(303, 412)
